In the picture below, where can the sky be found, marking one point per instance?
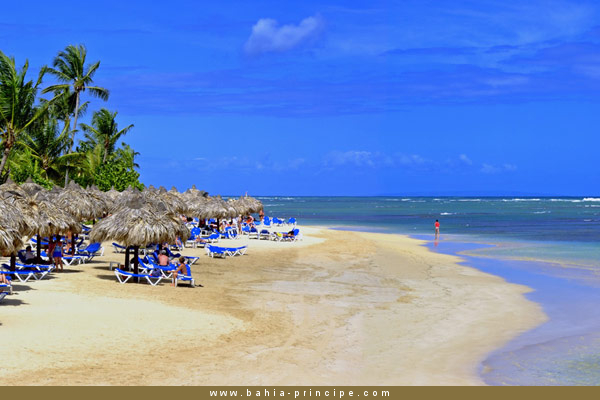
(340, 97)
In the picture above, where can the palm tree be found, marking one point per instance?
(69, 68)
(63, 106)
(104, 131)
(17, 104)
(45, 144)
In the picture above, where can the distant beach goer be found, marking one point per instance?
(437, 228)
(51, 245)
(57, 254)
(261, 215)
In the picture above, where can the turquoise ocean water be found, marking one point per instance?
(549, 244)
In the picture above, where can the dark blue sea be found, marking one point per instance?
(551, 244)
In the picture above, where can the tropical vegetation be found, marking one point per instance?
(40, 124)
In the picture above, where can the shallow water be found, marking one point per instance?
(563, 351)
(548, 244)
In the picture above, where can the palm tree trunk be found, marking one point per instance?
(72, 135)
(5, 154)
(8, 144)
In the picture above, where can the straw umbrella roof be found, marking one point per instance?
(192, 194)
(81, 204)
(125, 198)
(173, 203)
(138, 225)
(31, 188)
(11, 225)
(241, 207)
(98, 200)
(219, 208)
(38, 210)
(111, 195)
(252, 205)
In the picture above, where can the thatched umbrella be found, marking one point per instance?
(240, 206)
(252, 205)
(80, 203)
(11, 226)
(111, 195)
(173, 204)
(193, 194)
(137, 225)
(38, 213)
(219, 208)
(31, 188)
(98, 200)
(126, 197)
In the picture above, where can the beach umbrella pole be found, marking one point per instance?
(13, 264)
(127, 258)
(39, 247)
(73, 240)
(136, 262)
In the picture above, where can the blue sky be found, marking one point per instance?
(341, 97)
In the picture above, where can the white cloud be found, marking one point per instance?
(466, 160)
(267, 36)
(492, 169)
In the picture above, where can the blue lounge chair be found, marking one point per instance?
(292, 221)
(213, 251)
(236, 251)
(124, 276)
(92, 250)
(185, 278)
(5, 288)
(194, 233)
(171, 254)
(25, 274)
(152, 264)
(118, 248)
(265, 234)
(215, 237)
(226, 251)
(253, 233)
(284, 237)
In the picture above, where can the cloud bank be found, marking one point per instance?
(268, 37)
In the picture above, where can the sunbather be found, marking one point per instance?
(290, 234)
(29, 255)
(181, 268)
(163, 259)
(4, 280)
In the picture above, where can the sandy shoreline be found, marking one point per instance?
(339, 308)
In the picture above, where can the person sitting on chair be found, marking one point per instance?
(29, 256)
(181, 269)
(163, 259)
(4, 280)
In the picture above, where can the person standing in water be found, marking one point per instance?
(437, 229)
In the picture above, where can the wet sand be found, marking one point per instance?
(338, 308)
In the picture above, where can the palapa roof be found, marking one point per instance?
(219, 208)
(11, 225)
(173, 203)
(140, 224)
(81, 204)
(40, 215)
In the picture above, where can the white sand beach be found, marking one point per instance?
(338, 308)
